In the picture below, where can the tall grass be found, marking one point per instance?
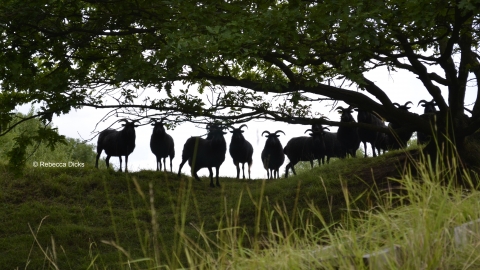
(321, 219)
(417, 221)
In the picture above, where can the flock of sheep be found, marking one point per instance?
(210, 152)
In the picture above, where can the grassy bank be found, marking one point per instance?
(84, 218)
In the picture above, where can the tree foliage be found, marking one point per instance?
(33, 141)
(107, 54)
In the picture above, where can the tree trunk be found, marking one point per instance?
(454, 151)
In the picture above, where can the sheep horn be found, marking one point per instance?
(423, 101)
(408, 102)
(244, 125)
(326, 128)
(308, 130)
(324, 117)
(340, 108)
(266, 131)
(279, 131)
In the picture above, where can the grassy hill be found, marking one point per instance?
(87, 218)
(325, 218)
(72, 210)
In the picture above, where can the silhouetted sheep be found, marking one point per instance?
(209, 153)
(117, 143)
(429, 113)
(240, 150)
(272, 154)
(305, 149)
(348, 136)
(162, 145)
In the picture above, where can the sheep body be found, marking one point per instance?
(428, 113)
(117, 143)
(368, 135)
(398, 138)
(205, 153)
(272, 154)
(241, 151)
(305, 149)
(348, 136)
(333, 147)
(162, 146)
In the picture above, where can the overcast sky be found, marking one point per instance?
(400, 87)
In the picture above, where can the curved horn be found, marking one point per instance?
(244, 125)
(408, 102)
(423, 101)
(308, 130)
(324, 117)
(340, 108)
(279, 131)
(326, 128)
(266, 131)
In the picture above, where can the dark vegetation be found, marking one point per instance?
(80, 208)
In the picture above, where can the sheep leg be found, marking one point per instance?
(311, 164)
(217, 172)
(365, 148)
(237, 165)
(157, 163)
(126, 163)
(249, 166)
(96, 161)
(373, 149)
(164, 164)
(181, 166)
(107, 160)
(171, 170)
(120, 158)
(243, 170)
(211, 176)
(286, 169)
(194, 172)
